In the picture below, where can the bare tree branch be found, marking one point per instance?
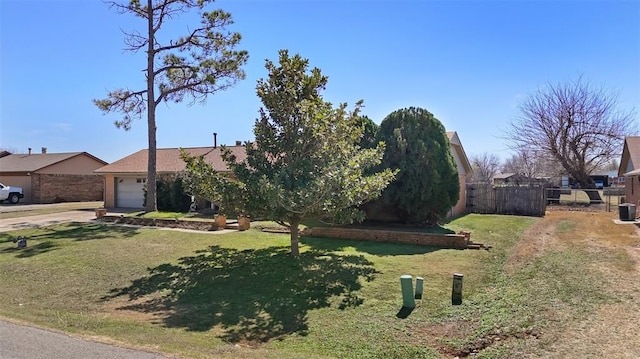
(484, 166)
(576, 123)
(131, 104)
(134, 41)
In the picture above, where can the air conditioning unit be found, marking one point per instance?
(627, 211)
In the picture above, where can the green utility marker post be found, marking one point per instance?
(419, 285)
(406, 283)
(456, 292)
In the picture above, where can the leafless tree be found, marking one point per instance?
(531, 164)
(485, 166)
(575, 123)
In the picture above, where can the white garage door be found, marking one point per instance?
(130, 193)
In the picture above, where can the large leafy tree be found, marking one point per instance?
(221, 189)
(195, 65)
(306, 162)
(575, 123)
(370, 132)
(427, 186)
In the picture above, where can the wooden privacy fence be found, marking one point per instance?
(520, 200)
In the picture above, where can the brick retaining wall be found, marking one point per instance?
(459, 241)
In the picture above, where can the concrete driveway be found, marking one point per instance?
(18, 342)
(41, 220)
(25, 207)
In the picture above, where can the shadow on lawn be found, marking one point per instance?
(45, 239)
(31, 250)
(84, 232)
(253, 295)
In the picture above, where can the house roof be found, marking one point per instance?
(169, 160)
(22, 162)
(454, 140)
(503, 175)
(630, 157)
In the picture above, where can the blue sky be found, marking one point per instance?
(468, 62)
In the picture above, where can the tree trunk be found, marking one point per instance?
(151, 204)
(594, 196)
(295, 249)
(587, 184)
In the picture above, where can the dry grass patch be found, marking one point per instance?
(602, 324)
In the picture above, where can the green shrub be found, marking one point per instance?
(171, 194)
(427, 186)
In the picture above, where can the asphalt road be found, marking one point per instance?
(22, 342)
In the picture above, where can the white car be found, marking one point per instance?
(11, 194)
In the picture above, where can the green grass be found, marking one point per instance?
(242, 295)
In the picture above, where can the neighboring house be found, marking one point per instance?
(504, 178)
(125, 178)
(464, 169)
(53, 177)
(630, 169)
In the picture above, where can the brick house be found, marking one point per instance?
(630, 169)
(125, 178)
(464, 170)
(53, 177)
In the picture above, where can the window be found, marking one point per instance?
(141, 180)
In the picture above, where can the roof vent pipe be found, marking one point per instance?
(29, 150)
(215, 140)
(44, 150)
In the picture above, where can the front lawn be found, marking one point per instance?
(240, 294)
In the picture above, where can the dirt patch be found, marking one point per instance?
(611, 331)
(558, 229)
(449, 338)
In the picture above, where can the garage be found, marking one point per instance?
(130, 192)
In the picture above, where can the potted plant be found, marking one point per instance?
(234, 197)
(227, 193)
(220, 220)
(101, 212)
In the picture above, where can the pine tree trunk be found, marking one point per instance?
(295, 249)
(151, 204)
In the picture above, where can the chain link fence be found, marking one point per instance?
(608, 198)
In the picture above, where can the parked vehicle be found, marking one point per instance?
(11, 194)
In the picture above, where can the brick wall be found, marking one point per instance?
(425, 239)
(51, 188)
